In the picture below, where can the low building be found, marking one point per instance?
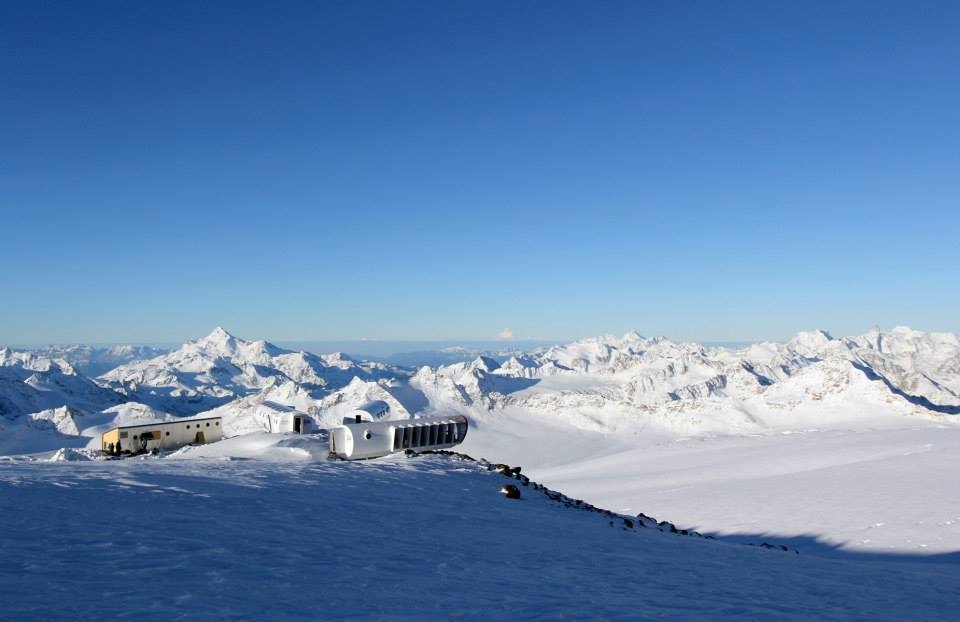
(371, 411)
(282, 418)
(356, 440)
(162, 435)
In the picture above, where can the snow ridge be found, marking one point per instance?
(632, 381)
(605, 383)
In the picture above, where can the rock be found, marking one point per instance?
(628, 523)
(511, 491)
(668, 525)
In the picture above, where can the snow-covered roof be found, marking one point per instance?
(374, 407)
(282, 408)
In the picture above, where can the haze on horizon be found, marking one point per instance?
(452, 171)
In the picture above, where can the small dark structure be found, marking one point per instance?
(511, 491)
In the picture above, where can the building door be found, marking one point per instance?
(200, 440)
(297, 424)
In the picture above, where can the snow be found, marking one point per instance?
(221, 368)
(843, 448)
(831, 486)
(216, 537)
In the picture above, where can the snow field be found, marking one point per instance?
(395, 539)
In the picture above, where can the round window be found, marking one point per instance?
(367, 435)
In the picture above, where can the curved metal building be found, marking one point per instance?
(372, 439)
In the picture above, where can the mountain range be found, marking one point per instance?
(605, 383)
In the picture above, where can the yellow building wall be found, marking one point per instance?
(111, 436)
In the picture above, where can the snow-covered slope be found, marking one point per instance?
(922, 365)
(255, 413)
(609, 383)
(31, 383)
(290, 536)
(95, 360)
(220, 368)
(219, 374)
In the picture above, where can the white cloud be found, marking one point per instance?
(505, 334)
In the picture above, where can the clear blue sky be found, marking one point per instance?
(406, 170)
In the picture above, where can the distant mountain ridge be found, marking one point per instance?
(95, 360)
(605, 383)
(220, 367)
(687, 387)
(31, 383)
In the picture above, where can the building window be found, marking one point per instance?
(188, 426)
(216, 423)
(208, 425)
(168, 434)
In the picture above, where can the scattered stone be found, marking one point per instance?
(669, 526)
(511, 491)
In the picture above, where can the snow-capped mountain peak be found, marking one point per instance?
(221, 367)
(641, 382)
(810, 342)
(218, 338)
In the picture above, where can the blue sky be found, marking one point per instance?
(346, 170)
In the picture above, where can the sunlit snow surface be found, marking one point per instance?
(201, 535)
(880, 490)
(845, 449)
